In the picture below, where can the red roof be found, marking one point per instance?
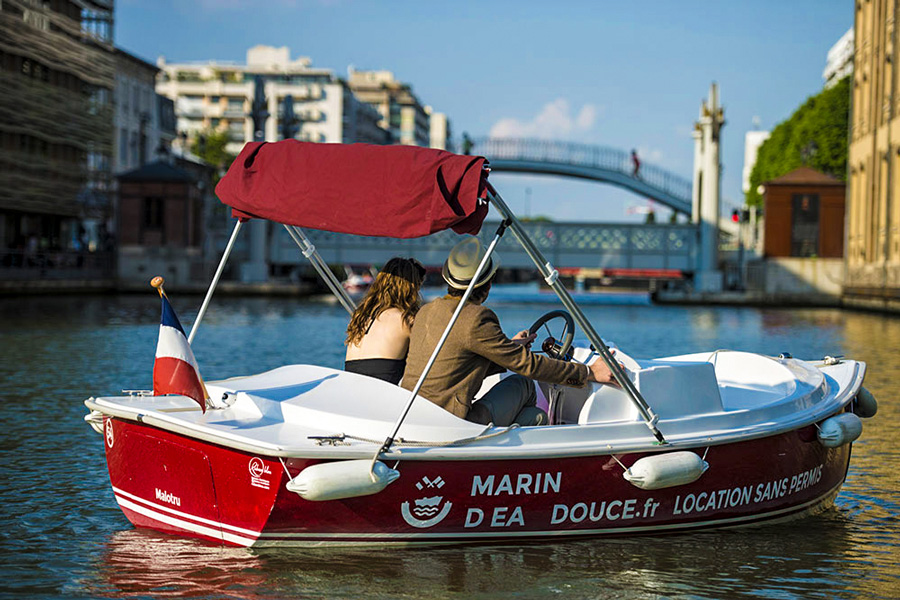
(388, 191)
(805, 176)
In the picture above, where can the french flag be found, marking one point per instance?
(175, 370)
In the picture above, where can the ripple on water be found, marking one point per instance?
(61, 533)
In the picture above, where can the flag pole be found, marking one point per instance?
(157, 283)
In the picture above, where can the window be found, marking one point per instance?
(805, 225)
(153, 213)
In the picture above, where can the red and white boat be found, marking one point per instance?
(357, 284)
(305, 455)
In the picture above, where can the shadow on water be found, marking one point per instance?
(61, 533)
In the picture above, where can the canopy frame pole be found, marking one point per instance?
(462, 302)
(309, 251)
(215, 280)
(551, 277)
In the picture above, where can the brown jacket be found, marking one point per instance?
(475, 348)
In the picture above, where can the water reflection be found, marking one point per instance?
(795, 560)
(141, 564)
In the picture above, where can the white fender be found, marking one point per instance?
(865, 405)
(342, 479)
(666, 470)
(839, 430)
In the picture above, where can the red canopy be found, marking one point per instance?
(389, 191)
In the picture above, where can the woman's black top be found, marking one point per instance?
(387, 369)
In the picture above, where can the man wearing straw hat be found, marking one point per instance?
(477, 347)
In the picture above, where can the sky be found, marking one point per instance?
(619, 74)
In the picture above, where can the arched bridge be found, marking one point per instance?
(597, 163)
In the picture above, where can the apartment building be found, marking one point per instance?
(402, 114)
(219, 96)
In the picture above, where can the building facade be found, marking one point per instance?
(839, 62)
(752, 141)
(218, 96)
(401, 112)
(440, 136)
(57, 73)
(873, 197)
(804, 215)
(144, 121)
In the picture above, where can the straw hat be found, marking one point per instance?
(460, 266)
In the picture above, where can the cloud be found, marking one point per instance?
(555, 120)
(650, 155)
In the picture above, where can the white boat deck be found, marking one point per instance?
(701, 399)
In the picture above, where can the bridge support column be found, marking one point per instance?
(256, 269)
(707, 192)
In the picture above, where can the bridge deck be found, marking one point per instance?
(586, 245)
(595, 163)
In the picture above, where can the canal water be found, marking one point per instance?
(61, 533)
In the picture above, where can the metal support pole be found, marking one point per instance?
(309, 251)
(551, 276)
(462, 302)
(215, 281)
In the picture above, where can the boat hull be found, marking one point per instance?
(180, 485)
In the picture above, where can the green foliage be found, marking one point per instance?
(818, 130)
(210, 146)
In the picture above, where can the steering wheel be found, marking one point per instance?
(552, 346)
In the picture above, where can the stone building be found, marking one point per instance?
(218, 96)
(57, 73)
(872, 276)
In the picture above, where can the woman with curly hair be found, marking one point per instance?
(378, 333)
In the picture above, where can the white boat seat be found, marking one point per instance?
(673, 390)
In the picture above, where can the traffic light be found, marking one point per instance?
(735, 216)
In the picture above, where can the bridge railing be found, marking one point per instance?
(591, 245)
(582, 155)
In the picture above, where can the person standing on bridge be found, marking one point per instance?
(467, 144)
(635, 165)
(477, 347)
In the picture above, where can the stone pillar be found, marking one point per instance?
(707, 192)
(256, 269)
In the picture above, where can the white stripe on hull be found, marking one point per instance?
(150, 509)
(266, 539)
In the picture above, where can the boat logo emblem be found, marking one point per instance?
(258, 471)
(427, 511)
(110, 439)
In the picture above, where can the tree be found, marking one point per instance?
(210, 146)
(815, 135)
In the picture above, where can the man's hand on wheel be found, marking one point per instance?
(523, 339)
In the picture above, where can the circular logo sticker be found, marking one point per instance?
(110, 438)
(257, 468)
